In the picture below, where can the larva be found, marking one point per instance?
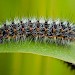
(53, 31)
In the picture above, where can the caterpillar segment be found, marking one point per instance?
(47, 31)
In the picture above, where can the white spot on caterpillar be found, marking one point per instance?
(33, 20)
(25, 20)
(65, 23)
(50, 21)
(57, 21)
(8, 22)
(42, 20)
(16, 21)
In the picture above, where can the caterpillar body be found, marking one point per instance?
(59, 32)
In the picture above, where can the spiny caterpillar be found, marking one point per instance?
(53, 31)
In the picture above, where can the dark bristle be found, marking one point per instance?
(12, 22)
(29, 20)
(38, 21)
(21, 22)
(4, 24)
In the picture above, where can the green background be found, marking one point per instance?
(63, 9)
(29, 64)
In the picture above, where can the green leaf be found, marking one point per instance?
(65, 53)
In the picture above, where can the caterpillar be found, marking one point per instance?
(45, 30)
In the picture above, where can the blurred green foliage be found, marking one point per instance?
(63, 9)
(31, 64)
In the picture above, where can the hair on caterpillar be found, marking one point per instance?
(45, 30)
